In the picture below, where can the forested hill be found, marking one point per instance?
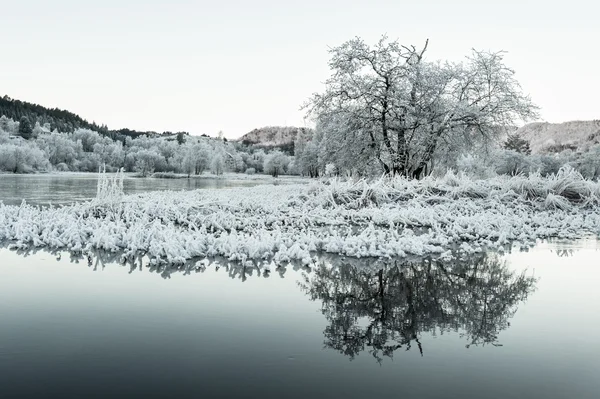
(282, 137)
(61, 120)
(556, 137)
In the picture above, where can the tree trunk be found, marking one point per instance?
(421, 169)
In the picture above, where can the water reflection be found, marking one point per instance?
(382, 311)
(112, 332)
(373, 305)
(98, 260)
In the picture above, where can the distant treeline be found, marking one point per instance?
(283, 138)
(65, 121)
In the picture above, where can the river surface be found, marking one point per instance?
(65, 188)
(524, 325)
(521, 325)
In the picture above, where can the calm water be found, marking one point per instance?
(522, 326)
(65, 188)
(525, 325)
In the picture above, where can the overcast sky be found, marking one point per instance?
(205, 66)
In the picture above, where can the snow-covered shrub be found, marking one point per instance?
(4, 137)
(147, 161)
(8, 125)
(110, 153)
(22, 159)
(85, 150)
(474, 166)
(547, 164)
(276, 163)
(250, 171)
(389, 217)
(512, 163)
(588, 163)
(60, 149)
(293, 168)
(87, 137)
(89, 162)
(62, 167)
(330, 169)
(217, 165)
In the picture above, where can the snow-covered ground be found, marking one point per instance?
(444, 218)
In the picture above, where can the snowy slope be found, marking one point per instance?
(275, 136)
(552, 137)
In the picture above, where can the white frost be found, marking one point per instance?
(385, 218)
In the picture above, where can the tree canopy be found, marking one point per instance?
(387, 103)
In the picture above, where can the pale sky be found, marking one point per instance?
(205, 66)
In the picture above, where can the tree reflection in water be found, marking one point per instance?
(374, 305)
(388, 309)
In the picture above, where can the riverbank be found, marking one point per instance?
(443, 218)
(64, 188)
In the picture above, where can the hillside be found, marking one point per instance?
(61, 120)
(556, 137)
(282, 137)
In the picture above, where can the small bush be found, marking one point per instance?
(512, 163)
(62, 167)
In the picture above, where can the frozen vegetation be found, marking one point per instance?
(391, 217)
(385, 110)
(85, 150)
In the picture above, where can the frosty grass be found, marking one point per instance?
(390, 217)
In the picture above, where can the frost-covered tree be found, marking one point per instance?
(509, 162)
(217, 165)
(255, 160)
(276, 163)
(188, 163)
(87, 137)
(38, 129)
(238, 162)
(146, 161)
(548, 164)
(516, 143)
(25, 129)
(8, 125)
(22, 159)
(60, 149)
(85, 150)
(348, 155)
(110, 153)
(399, 109)
(193, 158)
(475, 166)
(588, 163)
(167, 149)
(4, 137)
(307, 160)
